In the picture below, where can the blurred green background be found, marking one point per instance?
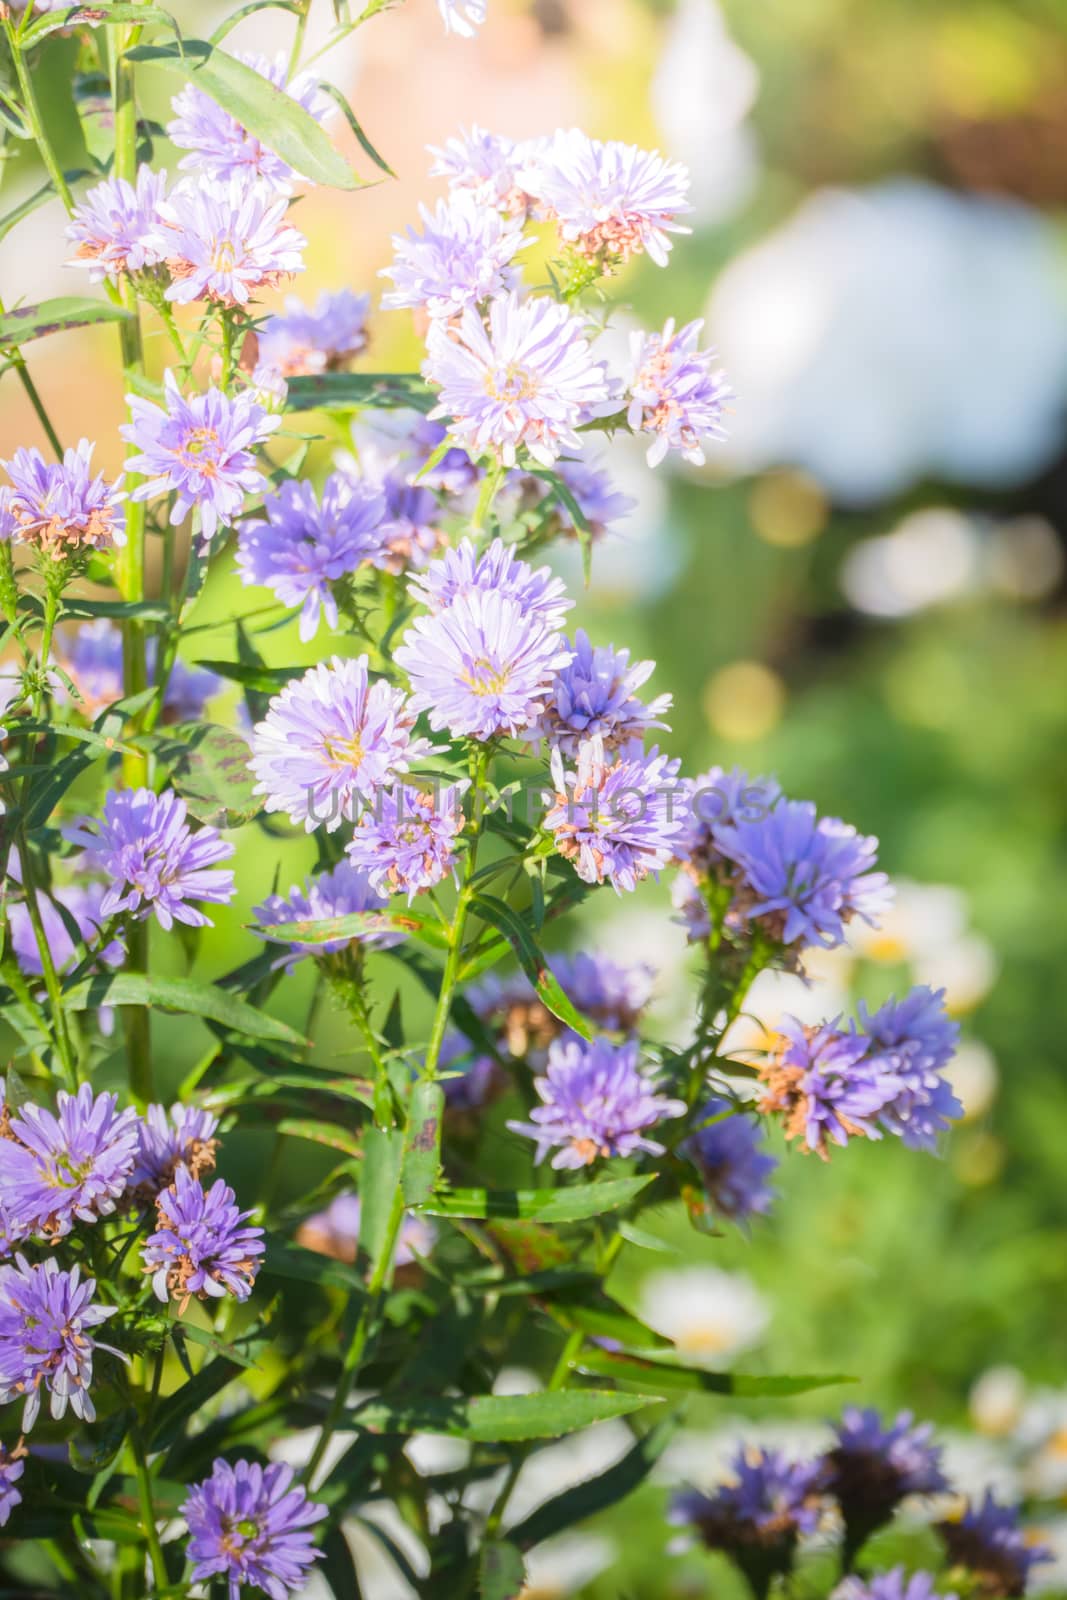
(863, 592)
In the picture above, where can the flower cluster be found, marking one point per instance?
(201, 1245)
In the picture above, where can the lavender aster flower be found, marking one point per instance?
(335, 1232)
(989, 1542)
(406, 840)
(201, 1246)
(301, 342)
(824, 1085)
(486, 165)
(182, 1137)
(914, 1040)
(758, 1519)
(596, 1102)
(249, 1525)
(330, 739)
(729, 1155)
(595, 693)
(893, 1585)
(462, 571)
(344, 892)
(525, 382)
(302, 544)
(610, 993)
(69, 1166)
(60, 506)
(483, 667)
(219, 147)
(614, 819)
(464, 17)
(46, 1342)
(11, 1469)
(610, 200)
(718, 799)
(188, 688)
(410, 533)
(601, 504)
(461, 258)
(200, 448)
(81, 904)
(807, 875)
(116, 229)
(154, 862)
(675, 393)
(91, 657)
(224, 242)
(872, 1468)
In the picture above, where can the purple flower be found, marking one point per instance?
(201, 1246)
(729, 1155)
(116, 228)
(335, 1232)
(11, 1469)
(302, 545)
(248, 1524)
(482, 667)
(807, 875)
(913, 1040)
(182, 1137)
(220, 148)
(91, 657)
(226, 241)
(824, 1085)
(46, 1318)
(614, 819)
(461, 258)
(498, 570)
(609, 993)
(330, 739)
(60, 506)
(486, 165)
(718, 799)
(872, 1468)
(675, 392)
(201, 449)
(82, 905)
(154, 862)
(595, 694)
(70, 1166)
(892, 1585)
(596, 1102)
(599, 501)
(464, 17)
(410, 534)
(344, 892)
(758, 1519)
(610, 200)
(455, 473)
(988, 1540)
(299, 341)
(405, 841)
(524, 383)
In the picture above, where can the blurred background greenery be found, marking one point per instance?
(863, 592)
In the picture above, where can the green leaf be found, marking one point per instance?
(326, 1133)
(501, 1572)
(147, 610)
(646, 1241)
(533, 963)
(249, 10)
(383, 1150)
(218, 1347)
(670, 1376)
(266, 112)
(350, 117)
(179, 994)
(174, 1412)
(577, 515)
(572, 1204)
(357, 924)
(422, 1142)
(208, 766)
(284, 1259)
(97, 11)
(56, 316)
(254, 675)
(596, 1494)
(493, 1418)
(345, 391)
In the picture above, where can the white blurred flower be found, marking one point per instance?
(895, 333)
(973, 1074)
(1049, 1575)
(705, 1457)
(923, 918)
(563, 1566)
(702, 92)
(996, 1400)
(1040, 1438)
(933, 556)
(974, 1464)
(966, 970)
(708, 1315)
(775, 995)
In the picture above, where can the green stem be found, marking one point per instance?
(365, 1328)
(557, 1381)
(490, 487)
(18, 361)
(48, 968)
(450, 976)
(33, 116)
(298, 39)
(148, 1514)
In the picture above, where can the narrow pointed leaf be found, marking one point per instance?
(532, 961)
(492, 1418)
(668, 1376)
(345, 391)
(571, 1204)
(179, 994)
(56, 316)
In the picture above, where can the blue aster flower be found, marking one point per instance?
(11, 1469)
(595, 693)
(202, 1245)
(729, 1154)
(220, 148)
(893, 1585)
(988, 1540)
(461, 258)
(250, 1526)
(405, 841)
(872, 1467)
(69, 1166)
(302, 341)
(47, 1320)
(614, 818)
(913, 1040)
(759, 1518)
